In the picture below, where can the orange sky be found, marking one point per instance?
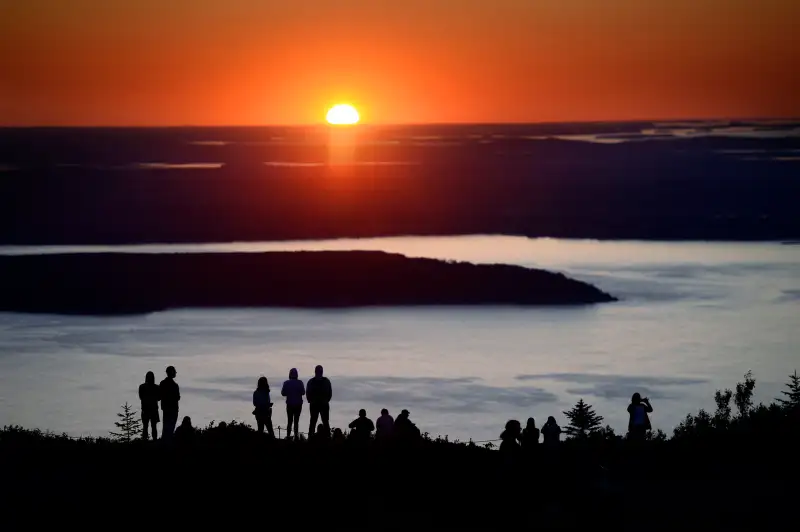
(229, 62)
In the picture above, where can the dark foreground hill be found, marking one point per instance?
(231, 477)
(720, 469)
(113, 283)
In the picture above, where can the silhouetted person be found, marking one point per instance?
(185, 434)
(170, 396)
(293, 390)
(384, 426)
(509, 445)
(319, 394)
(322, 435)
(263, 407)
(338, 436)
(530, 436)
(638, 420)
(551, 432)
(404, 429)
(361, 428)
(149, 395)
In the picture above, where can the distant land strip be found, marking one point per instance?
(128, 283)
(101, 187)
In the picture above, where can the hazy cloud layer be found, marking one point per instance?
(219, 394)
(788, 296)
(613, 387)
(456, 395)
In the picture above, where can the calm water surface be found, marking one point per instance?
(693, 317)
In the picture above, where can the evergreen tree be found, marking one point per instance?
(130, 427)
(743, 398)
(793, 394)
(583, 420)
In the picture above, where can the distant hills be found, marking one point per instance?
(124, 186)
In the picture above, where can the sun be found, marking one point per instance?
(342, 115)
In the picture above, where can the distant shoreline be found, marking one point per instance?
(131, 283)
(124, 186)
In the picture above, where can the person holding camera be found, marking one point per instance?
(639, 421)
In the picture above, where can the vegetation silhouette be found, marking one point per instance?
(586, 479)
(583, 421)
(129, 426)
(114, 283)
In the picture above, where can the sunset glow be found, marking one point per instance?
(240, 62)
(342, 115)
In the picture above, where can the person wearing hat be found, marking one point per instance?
(404, 428)
(170, 394)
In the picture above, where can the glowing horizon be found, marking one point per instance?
(202, 63)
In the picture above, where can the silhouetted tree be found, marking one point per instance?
(129, 425)
(607, 433)
(722, 416)
(744, 394)
(793, 393)
(583, 420)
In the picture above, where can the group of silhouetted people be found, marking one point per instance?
(317, 391)
(514, 438)
(168, 393)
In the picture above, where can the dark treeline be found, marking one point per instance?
(73, 186)
(731, 467)
(110, 283)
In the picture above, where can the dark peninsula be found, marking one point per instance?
(127, 283)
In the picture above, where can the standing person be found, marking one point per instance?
(530, 436)
(170, 396)
(551, 432)
(384, 425)
(319, 394)
(149, 395)
(638, 420)
(293, 390)
(263, 407)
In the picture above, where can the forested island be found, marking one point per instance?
(130, 283)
